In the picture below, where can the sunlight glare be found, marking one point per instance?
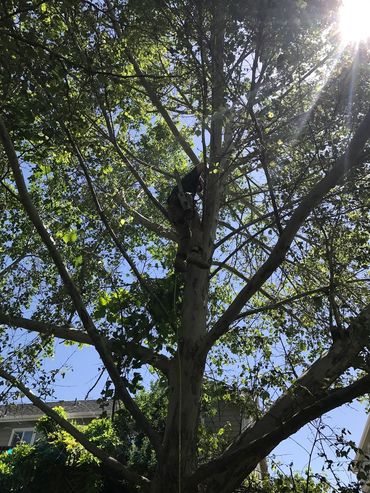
(354, 20)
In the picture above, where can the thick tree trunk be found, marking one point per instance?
(178, 457)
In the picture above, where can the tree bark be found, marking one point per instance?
(178, 457)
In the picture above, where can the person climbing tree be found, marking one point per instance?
(183, 215)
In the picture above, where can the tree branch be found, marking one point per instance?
(148, 165)
(259, 448)
(269, 296)
(151, 92)
(162, 110)
(307, 398)
(86, 320)
(108, 461)
(88, 70)
(278, 304)
(350, 160)
(144, 354)
(241, 228)
(265, 163)
(144, 221)
(220, 143)
(66, 333)
(112, 139)
(13, 264)
(145, 286)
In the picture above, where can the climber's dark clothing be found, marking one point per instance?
(181, 218)
(190, 184)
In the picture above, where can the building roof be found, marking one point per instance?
(29, 412)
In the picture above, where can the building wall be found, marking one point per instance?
(229, 415)
(5, 432)
(361, 464)
(6, 428)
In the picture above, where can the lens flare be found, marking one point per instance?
(354, 21)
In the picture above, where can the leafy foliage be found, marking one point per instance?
(56, 461)
(104, 102)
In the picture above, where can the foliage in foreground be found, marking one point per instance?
(58, 463)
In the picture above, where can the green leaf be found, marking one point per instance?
(70, 237)
(78, 261)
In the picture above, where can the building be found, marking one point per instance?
(17, 421)
(361, 463)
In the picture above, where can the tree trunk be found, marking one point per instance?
(178, 457)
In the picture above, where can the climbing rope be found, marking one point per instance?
(180, 385)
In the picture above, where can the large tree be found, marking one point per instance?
(103, 104)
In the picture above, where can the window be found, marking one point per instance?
(26, 435)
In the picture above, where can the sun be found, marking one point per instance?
(354, 21)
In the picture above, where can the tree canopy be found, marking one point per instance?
(103, 105)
